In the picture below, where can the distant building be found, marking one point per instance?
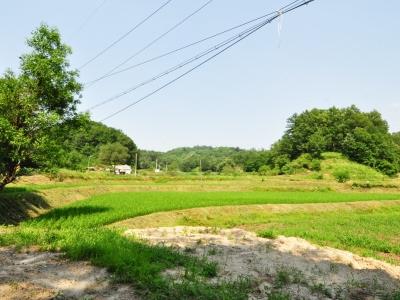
(122, 169)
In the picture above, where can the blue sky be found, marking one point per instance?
(329, 53)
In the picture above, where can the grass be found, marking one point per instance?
(366, 232)
(335, 163)
(109, 208)
(78, 227)
(78, 230)
(367, 228)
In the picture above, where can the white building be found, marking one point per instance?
(122, 169)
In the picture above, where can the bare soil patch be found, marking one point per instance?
(38, 275)
(286, 265)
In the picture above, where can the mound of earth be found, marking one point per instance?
(285, 265)
(37, 275)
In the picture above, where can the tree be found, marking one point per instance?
(396, 138)
(362, 137)
(81, 139)
(43, 95)
(112, 154)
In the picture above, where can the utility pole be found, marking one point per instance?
(156, 165)
(136, 162)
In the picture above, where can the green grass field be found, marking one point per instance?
(78, 230)
(77, 214)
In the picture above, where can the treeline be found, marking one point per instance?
(362, 137)
(82, 143)
(206, 159)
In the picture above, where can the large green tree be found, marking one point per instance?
(42, 95)
(396, 138)
(362, 136)
(113, 154)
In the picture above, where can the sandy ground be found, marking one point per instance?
(37, 275)
(285, 264)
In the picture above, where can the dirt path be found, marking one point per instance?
(37, 275)
(285, 265)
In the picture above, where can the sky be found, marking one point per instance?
(328, 53)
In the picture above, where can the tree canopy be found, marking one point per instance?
(78, 141)
(362, 136)
(43, 95)
(113, 154)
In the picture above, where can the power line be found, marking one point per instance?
(278, 13)
(186, 62)
(160, 37)
(176, 67)
(88, 84)
(124, 35)
(90, 16)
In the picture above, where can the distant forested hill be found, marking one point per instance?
(76, 143)
(215, 159)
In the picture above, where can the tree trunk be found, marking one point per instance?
(10, 175)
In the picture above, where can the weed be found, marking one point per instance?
(277, 295)
(320, 289)
(282, 277)
(269, 234)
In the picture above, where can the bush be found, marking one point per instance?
(341, 175)
(264, 170)
(287, 169)
(315, 165)
(387, 168)
(302, 162)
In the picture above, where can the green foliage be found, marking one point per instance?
(213, 159)
(396, 138)
(264, 170)
(113, 154)
(341, 175)
(362, 137)
(79, 141)
(42, 96)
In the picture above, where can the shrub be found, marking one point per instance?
(341, 175)
(264, 170)
(287, 169)
(315, 165)
(302, 162)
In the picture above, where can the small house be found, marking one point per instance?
(122, 169)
